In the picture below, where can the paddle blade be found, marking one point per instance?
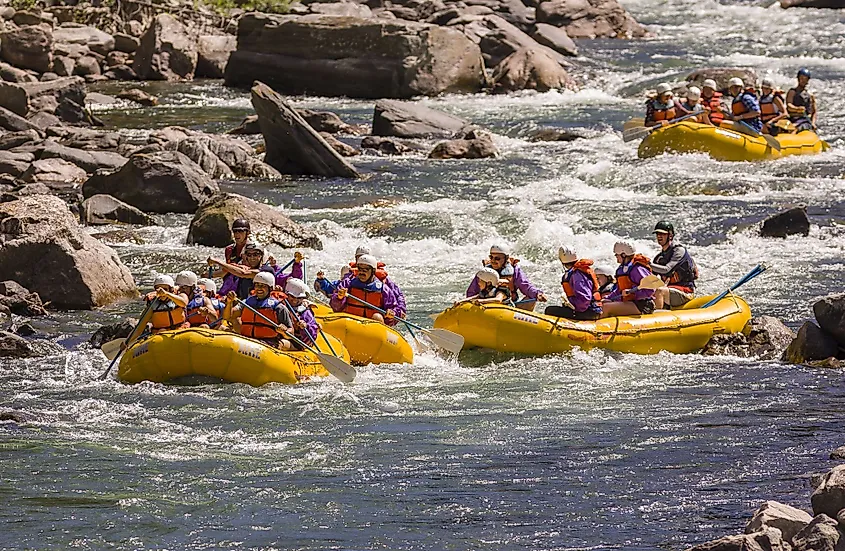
(445, 339)
(773, 143)
(112, 348)
(337, 367)
(651, 282)
(633, 123)
(636, 133)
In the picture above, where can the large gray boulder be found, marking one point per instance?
(499, 39)
(785, 518)
(829, 497)
(53, 170)
(28, 48)
(791, 222)
(822, 534)
(213, 53)
(161, 182)
(16, 139)
(530, 69)
(555, 38)
(293, 147)
(13, 346)
(19, 300)
(75, 270)
(90, 161)
(105, 209)
(212, 222)
(75, 33)
(830, 313)
(590, 18)
(476, 145)
(811, 344)
(14, 122)
(166, 52)
(404, 119)
(347, 56)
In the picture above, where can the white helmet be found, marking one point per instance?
(163, 279)
(368, 260)
(662, 88)
(623, 247)
(207, 285)
(566, 255)
(767, 83)
(296, 288)
(736, 81)
(362, 250)
(345, 269)
(500, 249)
(693, 93)
(709, 83)
(488, 275)
(605, 270)
(186, 279)
(266, 278)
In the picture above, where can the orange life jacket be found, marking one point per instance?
(356, 308)
(166, 315)
(623, 274)
(663, 114)
(738, 107)
(768, 107)
(381, 273)
(585, 267)
(716, 116)
(253, 325)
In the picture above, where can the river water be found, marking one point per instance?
(577, 451)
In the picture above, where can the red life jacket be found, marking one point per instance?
(166, 315)
(233, 256)
(716, 116)
(253, 325)
(192, 313)
(381, 273)
(585, 267)
(356, 308)
(768, 107)
(623, 275)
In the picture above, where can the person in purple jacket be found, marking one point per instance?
(508, 270)
(368, 288)
(381, 274)
(581, 288)
(628, 299)
(276, 270)
(304, 323)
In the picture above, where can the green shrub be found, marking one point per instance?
(268, 6)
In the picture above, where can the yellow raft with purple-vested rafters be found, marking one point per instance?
(724, 144)
(508, 329)
(222, 355)
(368, 341)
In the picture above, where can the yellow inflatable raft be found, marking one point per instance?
(724, 144)
(682, 330)
(368, 341)
(223, 355)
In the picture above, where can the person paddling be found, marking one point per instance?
(801, 104)
(200, 311)
(249, 324)
(304, 323)
(711, 100)
(581, 288)
(253, 256)
(381, 274)
(500, 260)
(675, 266)
(490, 288)
(168, 309)
(660, 109)
(633, 268)
(691, 104)
(772, 107)
(323, 285)
(209, 289)
(368, 288)
(745, 108)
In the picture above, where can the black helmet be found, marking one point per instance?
(804, 72)
(240, 224)
(664, 227)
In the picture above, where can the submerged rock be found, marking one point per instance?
(106, 333)
(166, 181)
(809, 345)
(138, 96)
(785, 518)
(404, 119)
(791, 222)
(13, 346)
(764, 337)
(293, 147)
(75, 270)
(476, 146)
(212, 222)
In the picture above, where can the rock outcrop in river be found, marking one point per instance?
(73, 270)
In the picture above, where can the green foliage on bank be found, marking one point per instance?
(267, 6)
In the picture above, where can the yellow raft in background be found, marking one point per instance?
(220, 354)
(724, 144)
(508, 329)
(368, 341)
